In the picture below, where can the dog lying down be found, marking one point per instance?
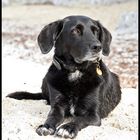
(78, 84)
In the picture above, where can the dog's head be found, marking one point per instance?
(77, 37)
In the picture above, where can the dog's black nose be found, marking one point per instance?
(96, 47)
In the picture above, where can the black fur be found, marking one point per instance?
(78, 42)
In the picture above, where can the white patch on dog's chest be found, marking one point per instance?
(75, 75)
(72, 109)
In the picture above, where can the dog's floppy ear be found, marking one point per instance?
(105, 38)
(49, 35)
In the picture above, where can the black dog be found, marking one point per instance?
(78, 83)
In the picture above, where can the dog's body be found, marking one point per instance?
(78, 83)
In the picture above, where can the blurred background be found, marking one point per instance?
(22, 21)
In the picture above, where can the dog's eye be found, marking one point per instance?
(75, 31)
(78, 30)
(95, 30)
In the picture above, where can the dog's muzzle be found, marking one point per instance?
(94, 59)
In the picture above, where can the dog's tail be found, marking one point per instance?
(26, 95)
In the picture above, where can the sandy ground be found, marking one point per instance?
(21, 118)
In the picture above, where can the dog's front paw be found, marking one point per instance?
(44, 130)
(67, 131)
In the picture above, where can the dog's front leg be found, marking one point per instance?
(56, 114)
(70, 130)
(55, 117)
